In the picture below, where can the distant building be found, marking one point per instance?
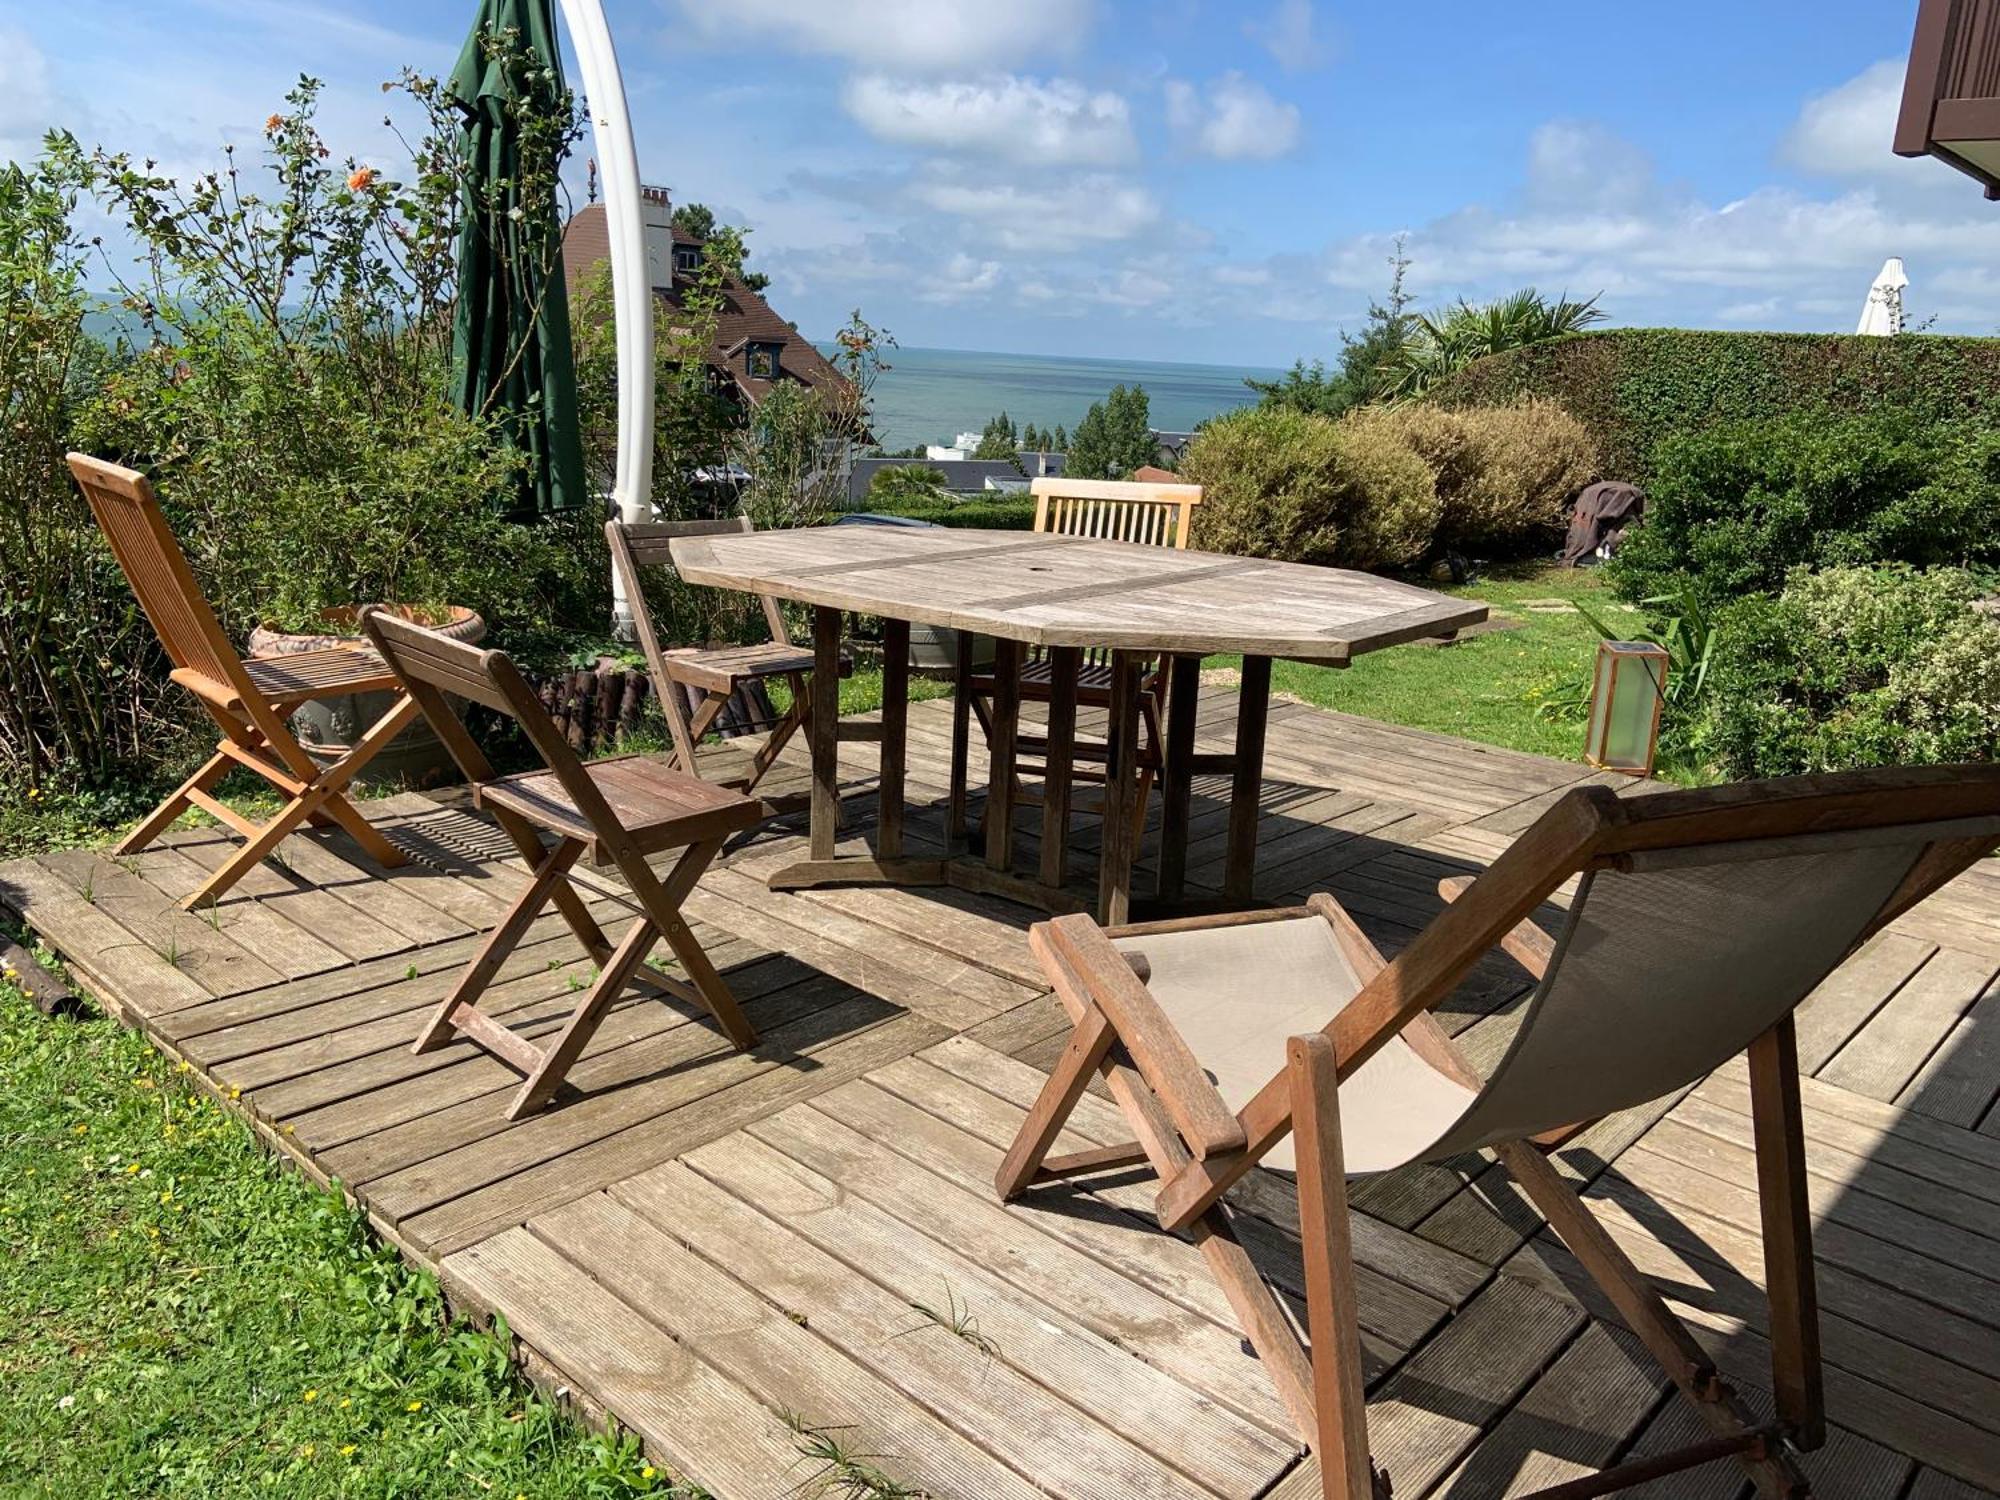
(754, 349)
(962, 476)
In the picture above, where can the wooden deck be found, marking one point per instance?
(723, 1249)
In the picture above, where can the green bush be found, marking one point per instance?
(1300, 487)
(1854, 667)
(1506, 475)
(1633, 387)
(1002, 513)
(1730, 511)
(906, 484)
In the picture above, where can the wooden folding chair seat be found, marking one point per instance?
(718, 673)
(249, 698)
(1151, 514)
(614, 812)
(1283, 1039)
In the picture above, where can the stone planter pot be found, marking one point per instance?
(328, 727)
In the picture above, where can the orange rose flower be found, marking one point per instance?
(271, 125)
(361, 179)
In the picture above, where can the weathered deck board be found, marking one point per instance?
(702, 1242)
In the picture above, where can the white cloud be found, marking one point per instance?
(27, 99)
(1291, 36)
(1056, 123)
(1051, 216)
(961, 277)
(1845, 132)
(1574, 163)
(917, 35)
(1234, 119)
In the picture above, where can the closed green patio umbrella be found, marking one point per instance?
(510, 338)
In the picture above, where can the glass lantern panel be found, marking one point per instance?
(1600, 702)
(1635, 693)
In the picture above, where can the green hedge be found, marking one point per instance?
(1008, 514)
(1634, 386)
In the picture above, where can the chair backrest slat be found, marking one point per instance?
(1153, 515)
(129, 515)
(636, 546)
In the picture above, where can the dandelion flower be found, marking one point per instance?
(648, 1472)
(312, 1395)
(345, 1402)
(348, 1450)
(307, 1450)
(416, 1406)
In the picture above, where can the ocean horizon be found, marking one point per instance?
(931, 395)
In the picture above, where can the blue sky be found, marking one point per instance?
(1175, 180)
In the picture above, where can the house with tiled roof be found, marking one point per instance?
(754, 350)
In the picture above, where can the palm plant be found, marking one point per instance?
(1441, 345)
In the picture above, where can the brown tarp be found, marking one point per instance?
(1603, 510)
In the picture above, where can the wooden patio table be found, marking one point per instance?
(1122, 603)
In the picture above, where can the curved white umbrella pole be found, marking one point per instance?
(631, 285)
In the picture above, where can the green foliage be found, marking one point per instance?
(1506, 475)
(1366, 363)
(1732, 509)
(290, 401)
(1303, 488)
(723, 243)
(1438, 347)
(80, 664)
(1855, 667)
(187, 1319)
(1634, 387)
(1001, 439)
(906, 484)
(1001, 513)
(1114, 438)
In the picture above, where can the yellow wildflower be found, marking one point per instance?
(79, 1130)
(306, 1450)
(416, 1406)
(312, 1395)
(345, 1402)
(347, 1450)
(236, 1093)
(647, 1472)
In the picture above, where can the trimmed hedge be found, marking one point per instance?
(1633, 387)
(1007, 513)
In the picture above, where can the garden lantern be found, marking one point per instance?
(1626, 692)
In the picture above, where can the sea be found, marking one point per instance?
(932, 395)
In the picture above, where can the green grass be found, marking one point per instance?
(182, 1317)
(1487, 687)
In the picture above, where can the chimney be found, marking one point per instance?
(656, 214)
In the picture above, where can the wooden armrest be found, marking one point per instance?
(1529, 946)
(1158, 1051)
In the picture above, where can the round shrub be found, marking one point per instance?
(1731, 510)
(1854, 667)
(1301, 487)
(1506, 475)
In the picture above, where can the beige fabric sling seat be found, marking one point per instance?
(1699, 921)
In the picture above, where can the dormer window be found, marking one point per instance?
(687, 259)
(761, 361)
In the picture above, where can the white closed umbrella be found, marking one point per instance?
(1883, 312)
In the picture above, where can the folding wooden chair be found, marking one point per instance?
(717, 672)
(1151, 514)
(249, 698)
(1701, 920)
(617, 811)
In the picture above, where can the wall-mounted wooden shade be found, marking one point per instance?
(1951, 93)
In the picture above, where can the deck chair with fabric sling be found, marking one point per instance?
(1149, 513)
(1701, 919)
(717, 673)
(618, 812)
(250, 698)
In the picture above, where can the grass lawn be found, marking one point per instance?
(1486, 687)
(180, 1316)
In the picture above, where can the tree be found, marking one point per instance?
(1439, 346)
(1114, 438)
(1033, 440)
(697, 222)
(900, 486)
(1060, 444)
(999, 440)
(1367, 364)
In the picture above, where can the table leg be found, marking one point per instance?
(1177, 774)
(895, 737)
(961, 741)
(825, 732)
(1253, 708)
(1114, 882)
(1000, 775)
(1064, 665)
